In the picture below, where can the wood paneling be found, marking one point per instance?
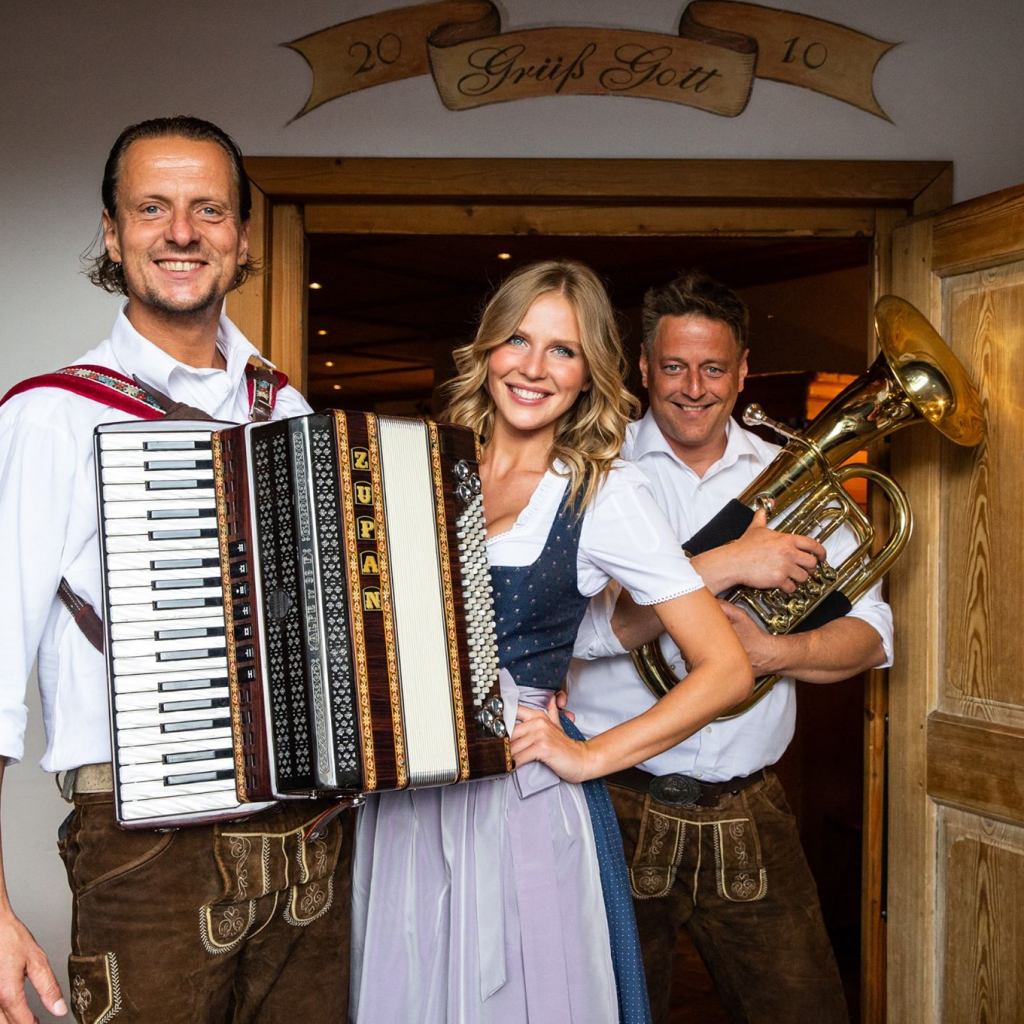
(981, 502)
(983, 955)
(976, 765)
(982, 233)
(527, 219)
(871, 182)
(246, 306)
(287, 276)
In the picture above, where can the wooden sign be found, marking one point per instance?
(720, 49)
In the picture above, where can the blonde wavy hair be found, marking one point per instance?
(589, 436)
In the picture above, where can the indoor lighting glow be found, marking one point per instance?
(315, 285)
(504, 255)
(337, 387)
(321, 332)
(329, 362)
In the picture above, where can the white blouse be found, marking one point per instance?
(625, 537)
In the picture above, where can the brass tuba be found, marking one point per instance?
(915, 377)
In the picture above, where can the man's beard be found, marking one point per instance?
(194, 308)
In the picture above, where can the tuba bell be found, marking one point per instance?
(915, 377)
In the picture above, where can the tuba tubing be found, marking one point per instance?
(915, 377)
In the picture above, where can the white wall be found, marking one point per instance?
(75, 74)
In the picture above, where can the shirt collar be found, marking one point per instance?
(140, 357)
(649, 440)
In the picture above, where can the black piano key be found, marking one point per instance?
(202, 704)
(171, 604)
(196, 755)
(175, 485)
(180, 513)
(182, 780)
(171, 685)
(156, 465)
(203, 652)
(181, 634)
(182, 534)
(207, 723)
(176, 445)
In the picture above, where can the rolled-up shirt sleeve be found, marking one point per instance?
(596, 638)
(38, 466)
(626, 538)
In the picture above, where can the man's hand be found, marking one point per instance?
(761, 646)
(760, 557)
(21, 957)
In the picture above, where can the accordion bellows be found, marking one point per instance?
(309, 611)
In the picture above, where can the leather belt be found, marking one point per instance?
(680, 790)
(93, 778)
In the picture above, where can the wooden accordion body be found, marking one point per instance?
(297, 608)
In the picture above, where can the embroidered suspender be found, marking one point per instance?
(108, 387)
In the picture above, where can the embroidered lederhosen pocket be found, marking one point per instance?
(266, 871)
(659, 849)
(739, 871)
(95, 993)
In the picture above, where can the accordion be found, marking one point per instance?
(300, 608)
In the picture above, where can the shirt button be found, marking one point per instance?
(708, 729)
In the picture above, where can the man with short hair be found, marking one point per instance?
(239, 920)
(709, 838)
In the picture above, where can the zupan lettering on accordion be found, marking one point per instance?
(293, 609)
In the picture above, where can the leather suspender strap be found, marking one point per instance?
(83, 613)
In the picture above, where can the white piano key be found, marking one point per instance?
(160, 560)
(160, 439)
(142, 476)
(147, 595)
(141, 509)
(179, 611)
(159, 771)
(137, 542)
(129, 492)
(149, 700)
(157, 751)
(190, 576)
(125, 527)
(170, 651)
(196, 721)
(173, 808)
(133, 666)
(147, 736)
(169, 682)
(155, 459)
(149, 628)
(151, 790)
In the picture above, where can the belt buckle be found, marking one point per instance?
(675, 789)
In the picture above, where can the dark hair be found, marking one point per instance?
(101, 269)
(693, 292)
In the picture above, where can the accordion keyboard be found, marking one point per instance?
(163, 609)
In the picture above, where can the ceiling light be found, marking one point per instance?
(337, 387)
(315, 285)
(329, 362)
(504, 255)
(321, 332)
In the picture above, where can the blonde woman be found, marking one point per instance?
(483, 902)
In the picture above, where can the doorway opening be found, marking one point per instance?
(385, 312)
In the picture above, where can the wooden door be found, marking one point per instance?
(956, 698)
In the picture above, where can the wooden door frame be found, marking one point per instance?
(295, 197)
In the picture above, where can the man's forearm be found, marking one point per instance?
(834, 652)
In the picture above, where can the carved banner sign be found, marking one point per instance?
(721, 47)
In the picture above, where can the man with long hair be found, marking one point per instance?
(243, 920)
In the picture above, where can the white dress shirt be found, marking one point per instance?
(607, 691)
(48, 521)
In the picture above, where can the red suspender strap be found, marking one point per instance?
(108, 387)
